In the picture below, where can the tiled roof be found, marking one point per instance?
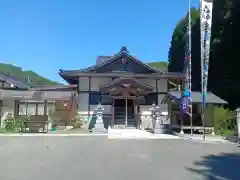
(10, 79)
(197, 97)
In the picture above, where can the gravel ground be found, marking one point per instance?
(98, 158)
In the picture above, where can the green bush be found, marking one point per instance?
(224, 121)
(12, 125)
(9, 124)
(78, 121)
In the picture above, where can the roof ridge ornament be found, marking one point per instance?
(124, 49)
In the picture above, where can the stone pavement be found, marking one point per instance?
(136, 134)
(125, 134)
(208, 138)
(100, 158)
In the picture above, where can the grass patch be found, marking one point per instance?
(228, 132)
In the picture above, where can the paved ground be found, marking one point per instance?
(98, 158)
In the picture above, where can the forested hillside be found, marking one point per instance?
(223, 69)
(22, 75)
(159, 65)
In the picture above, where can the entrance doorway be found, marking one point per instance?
(124, 111)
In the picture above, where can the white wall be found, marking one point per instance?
(83, 105)
(98, 82)
(83, 83)
(162, 85)
(8, 107)
(95, 83)
(83, 102)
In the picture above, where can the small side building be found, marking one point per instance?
(173, 100)
(20, 99)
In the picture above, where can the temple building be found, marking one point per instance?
(123, 84)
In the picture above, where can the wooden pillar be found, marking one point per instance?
(157, 92)
(89, 90)
(126, 113)
(1, 119)
(138, 116)
(36, 108)
(26, 105)
(45, 107)
(113, 111)
(16, 108)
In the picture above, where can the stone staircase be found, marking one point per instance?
(120, 119)
(128, 134)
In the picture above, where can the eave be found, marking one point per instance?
(71, 76)
(71, 87)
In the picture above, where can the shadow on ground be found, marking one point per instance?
(218, 167)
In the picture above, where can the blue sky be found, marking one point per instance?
(48, 35)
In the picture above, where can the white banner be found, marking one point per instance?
(206, 26)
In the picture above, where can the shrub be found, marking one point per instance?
(9, 124)
(78, 121)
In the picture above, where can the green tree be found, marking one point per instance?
(223, 68)
(178, 45)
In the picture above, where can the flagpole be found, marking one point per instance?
(203, 56)
(206, 25)
(190, 63)
(202, 29)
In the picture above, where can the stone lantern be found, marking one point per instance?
(157, 120)
(99, 125)
(153, 115)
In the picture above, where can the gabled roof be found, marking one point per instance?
(196, 97)
(101, 59)
(10, 79)
(123, 52)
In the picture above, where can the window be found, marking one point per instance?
(95, 98)
(50, 106)
(22, 109)
(40, 108)
(149, 99)
(34, 107)
(106, 99)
